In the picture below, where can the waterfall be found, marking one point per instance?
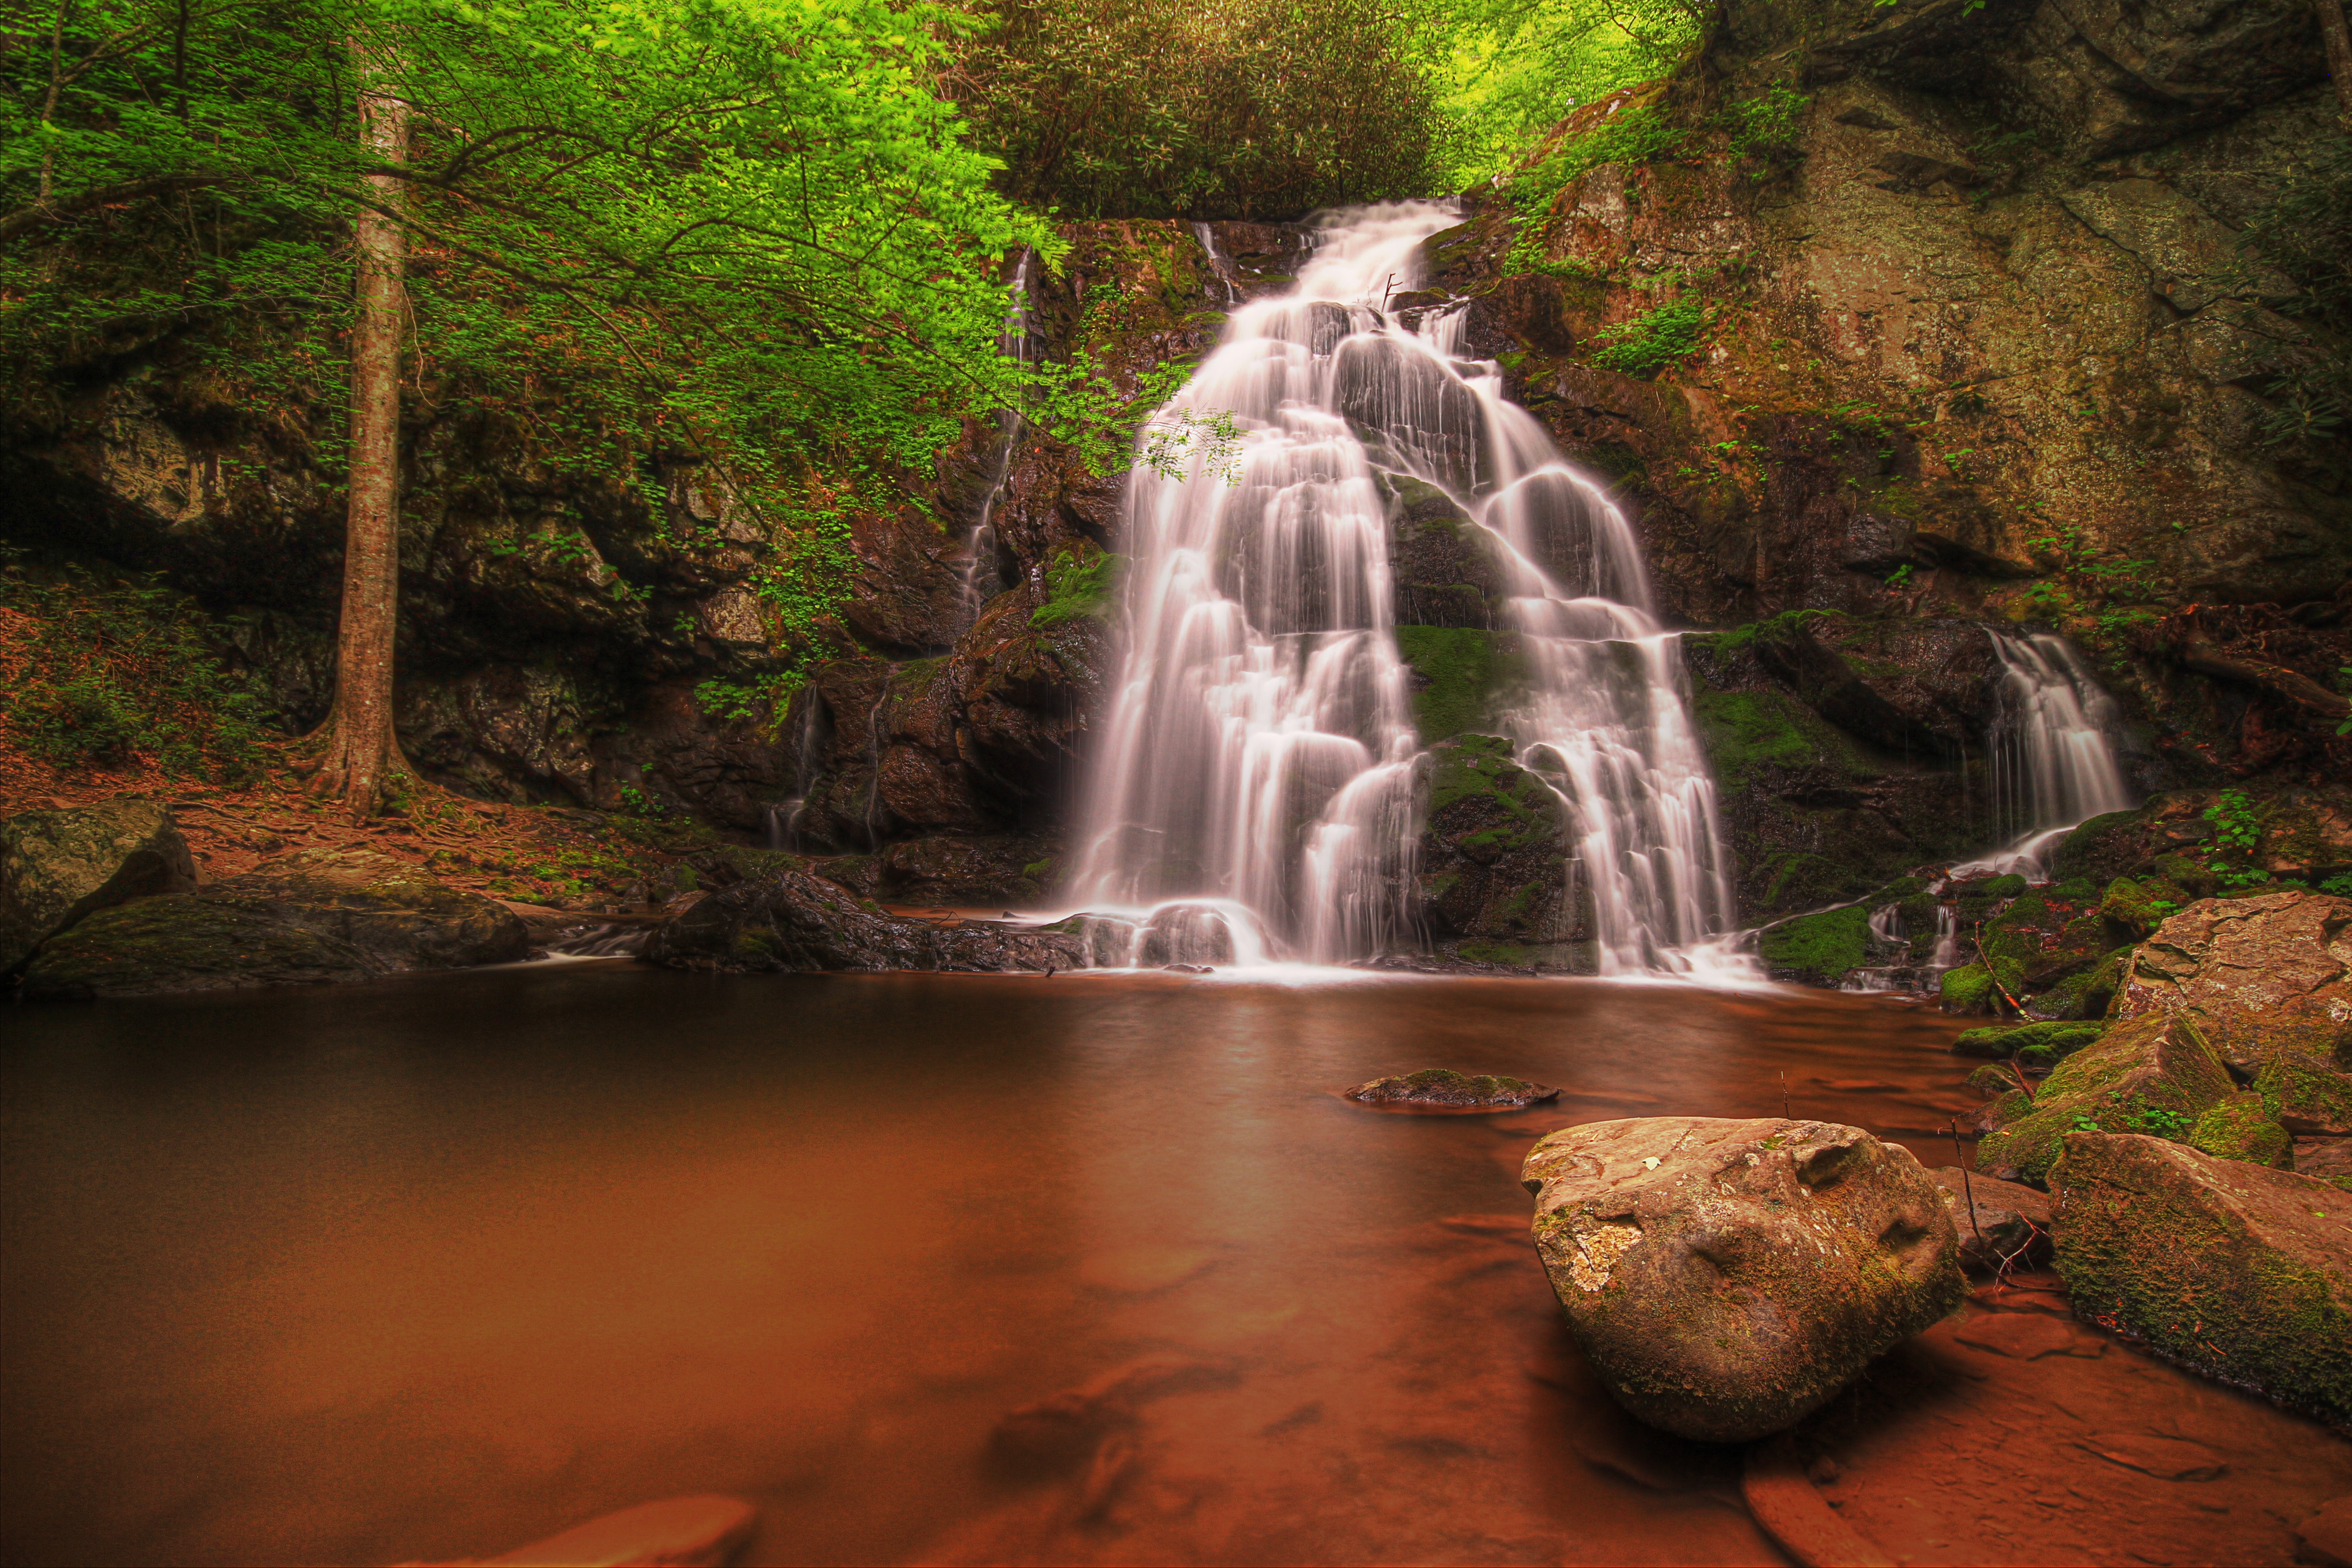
(1253, 790)
(2054, 756)
(979, 582)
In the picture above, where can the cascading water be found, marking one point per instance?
(1254, 792)
(979, 581)
(2054, 755)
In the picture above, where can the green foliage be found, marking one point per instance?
(1504, 71)
(1076, 587)
(108, 674)
(2339, 886)
(760, 700)
(2236, 829)
(1240, 109)
(1657, 338)
(1764, 130)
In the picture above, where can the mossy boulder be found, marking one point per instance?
(2237, 1270)
(2258, 975)
(2140, 906)
(1457, 674)
(1441, 1089)
(2037, 1045)
(2241, 1128)
(2154, 1074)
(57, 867)
(1727, 1277)
(1819, 949)
(159, 947)
(2087, 993)
(1970, 988)
(2307, 1094)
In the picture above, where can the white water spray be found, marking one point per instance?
(1254, 792)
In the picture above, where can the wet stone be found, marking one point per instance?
(1438, 1088)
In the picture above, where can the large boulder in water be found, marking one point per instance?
(790, 919)
(2257, 975)
(57, 867)
(1726, 1278)
(312, 917)
(2242, 1272)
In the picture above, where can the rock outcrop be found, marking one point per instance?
(793, 920)
(315, 916)
(1726, 1277)
(57, 867)
(2242, 1272)
(2257, 974)
(2154, 1074)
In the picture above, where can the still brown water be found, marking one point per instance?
(428, 1269)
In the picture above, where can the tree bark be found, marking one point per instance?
(363, 755)
(2339, 53)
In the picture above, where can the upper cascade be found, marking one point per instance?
(2054, 755)
(1255, 796)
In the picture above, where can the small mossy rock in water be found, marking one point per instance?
(1820, 950)
(57, 867)
(793, 920)
(1726, 1278)
(2042, 1044)
(1441, 1089)
(2242, 1272)
(2001, 1224)
(154, 947)
(2307, 1095)
(397, 912)
(2241, 1128)
(2153, 1074)
(2258, 975)
(1970, 989)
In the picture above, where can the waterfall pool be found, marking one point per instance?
(425, 1269)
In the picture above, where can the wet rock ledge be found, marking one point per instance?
(792, 920)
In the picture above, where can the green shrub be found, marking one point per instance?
(1076, 587)
(1653, 339)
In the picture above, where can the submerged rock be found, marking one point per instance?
(2001, 1224)
(58, 867)
(2258, 975)
(2242, 1272)
(313, 917)
(1726, 1278)
(1441, 1089)
(792, 920)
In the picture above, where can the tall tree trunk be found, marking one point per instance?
(363, 755)
(2339, 53)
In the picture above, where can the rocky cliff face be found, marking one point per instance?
(1975, 346)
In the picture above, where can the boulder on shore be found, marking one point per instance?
(313, 917)
(2258, 975)
(57, 868)
(1441, 1089)
(2242, 1272)
(1726, 1278)
(790, 921)
(2153, 1074)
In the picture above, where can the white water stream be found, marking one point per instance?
(2054, 756)
(1253, 797)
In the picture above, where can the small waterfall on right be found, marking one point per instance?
(2053, 754)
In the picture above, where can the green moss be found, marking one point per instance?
(2153, 1075)
(1460, 674)
(1819, 948)
(1079, 582)
(1745, 731)
(2010, 887)
(2088, 993)
(2141, 906)
(2239, 1128)
(1970, 988)
(2050, 1042)
(2305, 1089)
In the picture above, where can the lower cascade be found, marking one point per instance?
(2054, 754)
(1255, 795)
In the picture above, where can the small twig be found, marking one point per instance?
(2019, 1073)
(2015, 1006)
(1967, 1192)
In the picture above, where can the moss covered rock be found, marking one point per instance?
(2241, 1271)
(57, 867)
(2154, 1075)
(1819, 949)
(2087, 993)
(1492, 867)
(1970, 988)
(1444, 1089)
(2041, 1044)
(2307, 1094)
(1726, 1278)
(2241, 1128)
(155, 947)
(2257, 974)
(2140, 906)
